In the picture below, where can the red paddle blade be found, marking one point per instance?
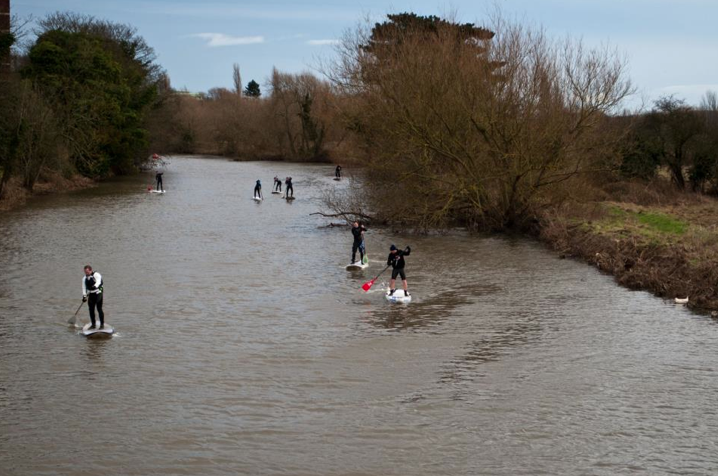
(367, 286)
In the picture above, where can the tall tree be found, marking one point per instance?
(237, 79)
(101, 80)
(676, 127)
(465, 125)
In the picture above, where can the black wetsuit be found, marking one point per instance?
(358, 242)
(258, 190)
(288, 184)
(396, 261)
(277, 185)
(338, 171)
(158, 177)
(94, 299)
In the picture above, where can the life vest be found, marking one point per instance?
(92, 285)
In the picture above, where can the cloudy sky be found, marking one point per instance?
(671, 45)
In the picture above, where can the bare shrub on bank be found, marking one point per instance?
(474, 125)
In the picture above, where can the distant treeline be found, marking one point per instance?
(451, 123)
(457, 124)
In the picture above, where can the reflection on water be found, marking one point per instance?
(245, 347)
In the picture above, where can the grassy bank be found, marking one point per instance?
(669, 248)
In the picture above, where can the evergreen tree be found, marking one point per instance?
(252, 89)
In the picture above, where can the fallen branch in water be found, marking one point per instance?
(344, 215)
(332, 225)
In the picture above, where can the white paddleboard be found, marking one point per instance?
(106, 331)
(258, 199)
(356, 266)
(398, 296)
(157, 191)
(277, 193)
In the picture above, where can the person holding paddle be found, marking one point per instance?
(396, 261)
(358, 232)
(288, 187)
(277, 184)
(92, 289)
(258, 190)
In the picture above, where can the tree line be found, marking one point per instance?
(451, 123)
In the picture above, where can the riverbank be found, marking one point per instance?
(668, 248)
(15, 195)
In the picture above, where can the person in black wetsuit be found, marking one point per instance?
(158, 178)
(258, 189)
(358, 232)
(92, 288)
(277, 184)
(288, 185)
(338, 171)
(396, 261)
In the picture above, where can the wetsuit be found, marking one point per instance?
(396, 261)
(92, 288)
(277, 185)
(288, 184)
(158, 177)
(258, 189)
(358, 242)
(338, 171)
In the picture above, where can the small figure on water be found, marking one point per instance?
(92, 290)
(289, 187)
(358, 244)
(258, 190)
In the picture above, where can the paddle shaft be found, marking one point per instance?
(367, 286)
(73, 319)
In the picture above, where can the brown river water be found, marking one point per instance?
(244, 347)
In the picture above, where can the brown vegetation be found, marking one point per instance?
(299, 121)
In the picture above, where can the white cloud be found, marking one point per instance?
(322, 42)
(220, 39)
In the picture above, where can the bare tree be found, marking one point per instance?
(237, 79)
(709, 102)
(461, 125)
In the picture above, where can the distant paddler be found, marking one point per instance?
(358, 244)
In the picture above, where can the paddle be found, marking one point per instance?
(73, 319)
(367, 286)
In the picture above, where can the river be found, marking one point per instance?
(243, 346)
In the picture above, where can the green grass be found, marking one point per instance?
(663, 223)
(656, 228)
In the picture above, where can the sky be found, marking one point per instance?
(671, 45)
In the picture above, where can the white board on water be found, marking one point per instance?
(257, 199)
(157, 191)
(106, 331)
(398, 296)
(357, 265)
